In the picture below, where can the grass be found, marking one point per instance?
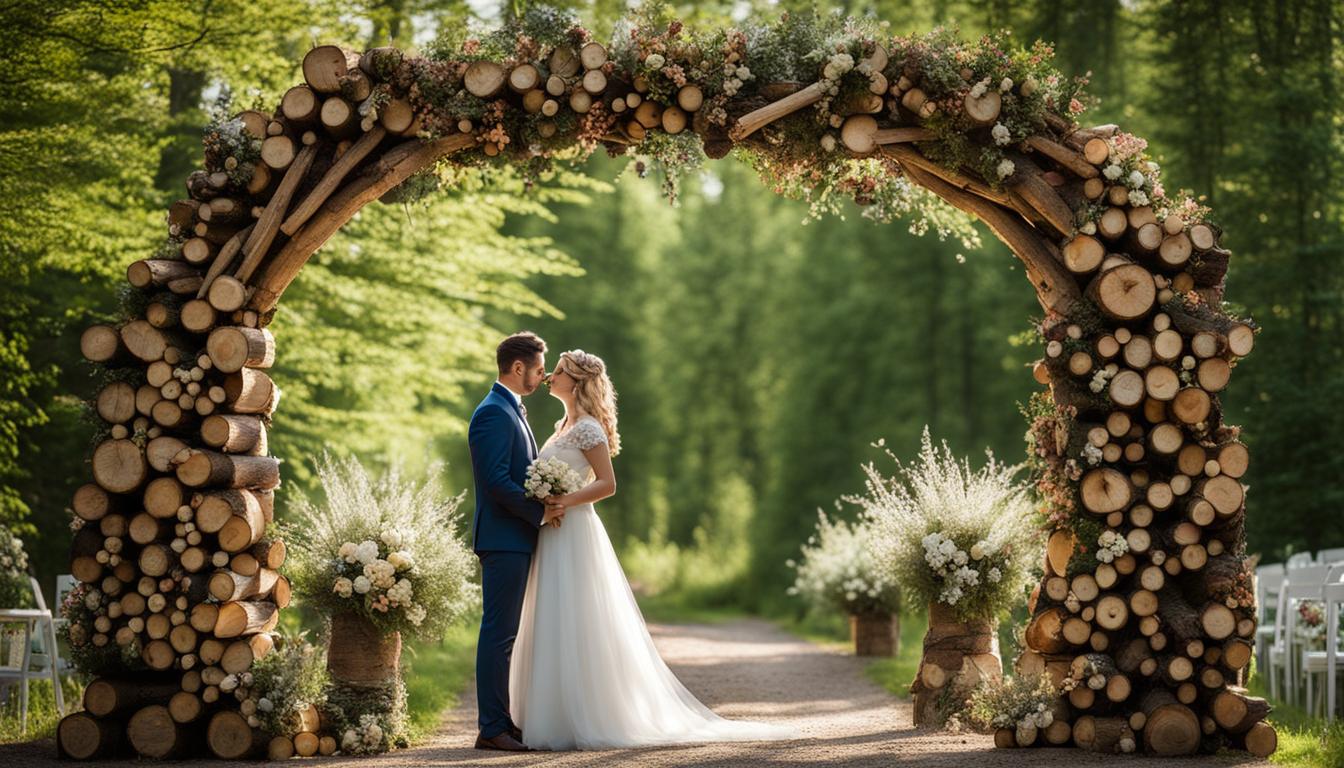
(42, 717)
(1304, 741)
(436, 675)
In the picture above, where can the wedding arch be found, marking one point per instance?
(1144, 615)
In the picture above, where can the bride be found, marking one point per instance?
(585, 673)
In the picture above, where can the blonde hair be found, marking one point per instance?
(593, 392)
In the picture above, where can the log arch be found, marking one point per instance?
(1129, 440)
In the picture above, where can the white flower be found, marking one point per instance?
(393, 538)
(1006, 85)
(265, 704)
(1136, 179)
(1138, 197)
(401, 560)
(654, 61)
(349, 740)
(1112, 172)
(994, 575)
(342, 587)
(1090, 228)
(362, 584)
(1005, 168)
(743, 73)
(1000, 134)
(366, 552)
(959, 557)
(978, 550)
(416, 614)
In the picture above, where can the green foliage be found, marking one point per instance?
(368, 719)
(1013, 701)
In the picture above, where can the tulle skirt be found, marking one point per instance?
(585, 672)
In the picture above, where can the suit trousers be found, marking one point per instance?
(503, 584)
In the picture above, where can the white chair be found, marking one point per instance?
(21, 665)
(17, 639)
(1326, 662)
(65, 584)
(1302, 583)
(1330, 556)
(1300, 560)
(1268, 582)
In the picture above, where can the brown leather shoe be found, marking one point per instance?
(504, 742)
(516, 732)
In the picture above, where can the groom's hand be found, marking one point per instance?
(554, 514)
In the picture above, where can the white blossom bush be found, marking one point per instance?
(383, 549)
(952, 535)
(839, 570)
(15, 590)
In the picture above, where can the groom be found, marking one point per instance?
(504, 530)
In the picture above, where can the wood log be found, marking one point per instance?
(119, 466)
(1045, 631)
(753, 121)
(250, 390)
(1260, 739)
(1104, 490)
(153, 733)
(332, 179)
(160, 451)
(1102, 734)
(1083, 254)
(102, 344)
(325, 66)
(225, 585)
(208, 468)
(145, 342)
(81, 736)
(115, 403)
(185, 707)
(231, 348)
(484, 79)
(245, 618)
(229, 737)
(1124, 292)
(106, 696)
(235, 433)
(157, 272)
(1170, 728)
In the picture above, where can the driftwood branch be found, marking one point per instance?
(395, 166)
(1055, 287)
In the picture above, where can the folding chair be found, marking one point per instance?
(1268, 583)
(1300, 560)
(48, 657)
(1303, 583)
(17, 640)
(1326, 662)
(1330, 556)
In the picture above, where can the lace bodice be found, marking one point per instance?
(569, 445)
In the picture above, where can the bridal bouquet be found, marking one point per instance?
(550, 477)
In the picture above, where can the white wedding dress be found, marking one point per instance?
(585, 673)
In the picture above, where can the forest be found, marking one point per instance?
(762, 347)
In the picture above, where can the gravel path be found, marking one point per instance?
(750, 669)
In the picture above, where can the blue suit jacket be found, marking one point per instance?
(502, 447)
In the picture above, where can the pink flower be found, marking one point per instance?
(1075, 106)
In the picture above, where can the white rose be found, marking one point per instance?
(1005, 168)
(366, 552)
(1000, 134)
(743, 73)
(1135, 179)
(995, 575)
(1138, 197)
(362, 584)
(265, 704)
(1006, 85)
(392, 537)
(347, 552)
(1112, 171)
(654, 61)
(1090, 228)
(342, 587)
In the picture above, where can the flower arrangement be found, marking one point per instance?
(1024, 703)
(550, 477)
(280, 686)
(949, 534)
(15, 589)
(839, 570)
(1311, 620)
(93, 652)
(368, 719)
(382, 549)
(228, 145)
